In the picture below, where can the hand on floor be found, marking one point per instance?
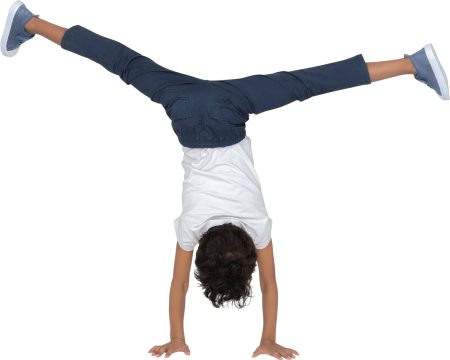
(169, 348)
(273, 349)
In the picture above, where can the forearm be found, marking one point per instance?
(177, 299)
(270, 309)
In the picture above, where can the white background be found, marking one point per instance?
(356, 182)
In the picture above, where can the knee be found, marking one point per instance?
(131, 65)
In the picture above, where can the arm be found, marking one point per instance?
(269, 290)
(177, 298)
(178, 290)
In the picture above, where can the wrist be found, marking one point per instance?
(267, 341)
(175, 338)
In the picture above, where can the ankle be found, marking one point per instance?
(30, 26)
(409, 66)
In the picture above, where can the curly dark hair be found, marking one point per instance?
(225, 261)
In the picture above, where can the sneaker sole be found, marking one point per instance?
(9, 20)
(438, 71)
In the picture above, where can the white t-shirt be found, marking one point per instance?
(220, 186)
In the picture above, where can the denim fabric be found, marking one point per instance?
(212, 113)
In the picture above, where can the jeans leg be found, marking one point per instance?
(133, 68)
(266, 92)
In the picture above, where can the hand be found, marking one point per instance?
(170, 348)
(273, 349)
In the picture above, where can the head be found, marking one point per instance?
(225, 261)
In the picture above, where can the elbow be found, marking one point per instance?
(180, 285)
(269, 286)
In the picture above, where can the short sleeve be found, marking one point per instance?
(185, 237)
(260, 230)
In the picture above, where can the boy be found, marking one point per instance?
(223, 207)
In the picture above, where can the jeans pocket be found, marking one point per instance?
(223, 110)
(179, 108)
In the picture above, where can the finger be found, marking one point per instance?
(161, 351)
(277, 355)
(289, 355)
(256, 353)
(294, 351)
(154, 348)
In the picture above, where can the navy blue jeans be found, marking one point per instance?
(212, 113)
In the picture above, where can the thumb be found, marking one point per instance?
(256, 353)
